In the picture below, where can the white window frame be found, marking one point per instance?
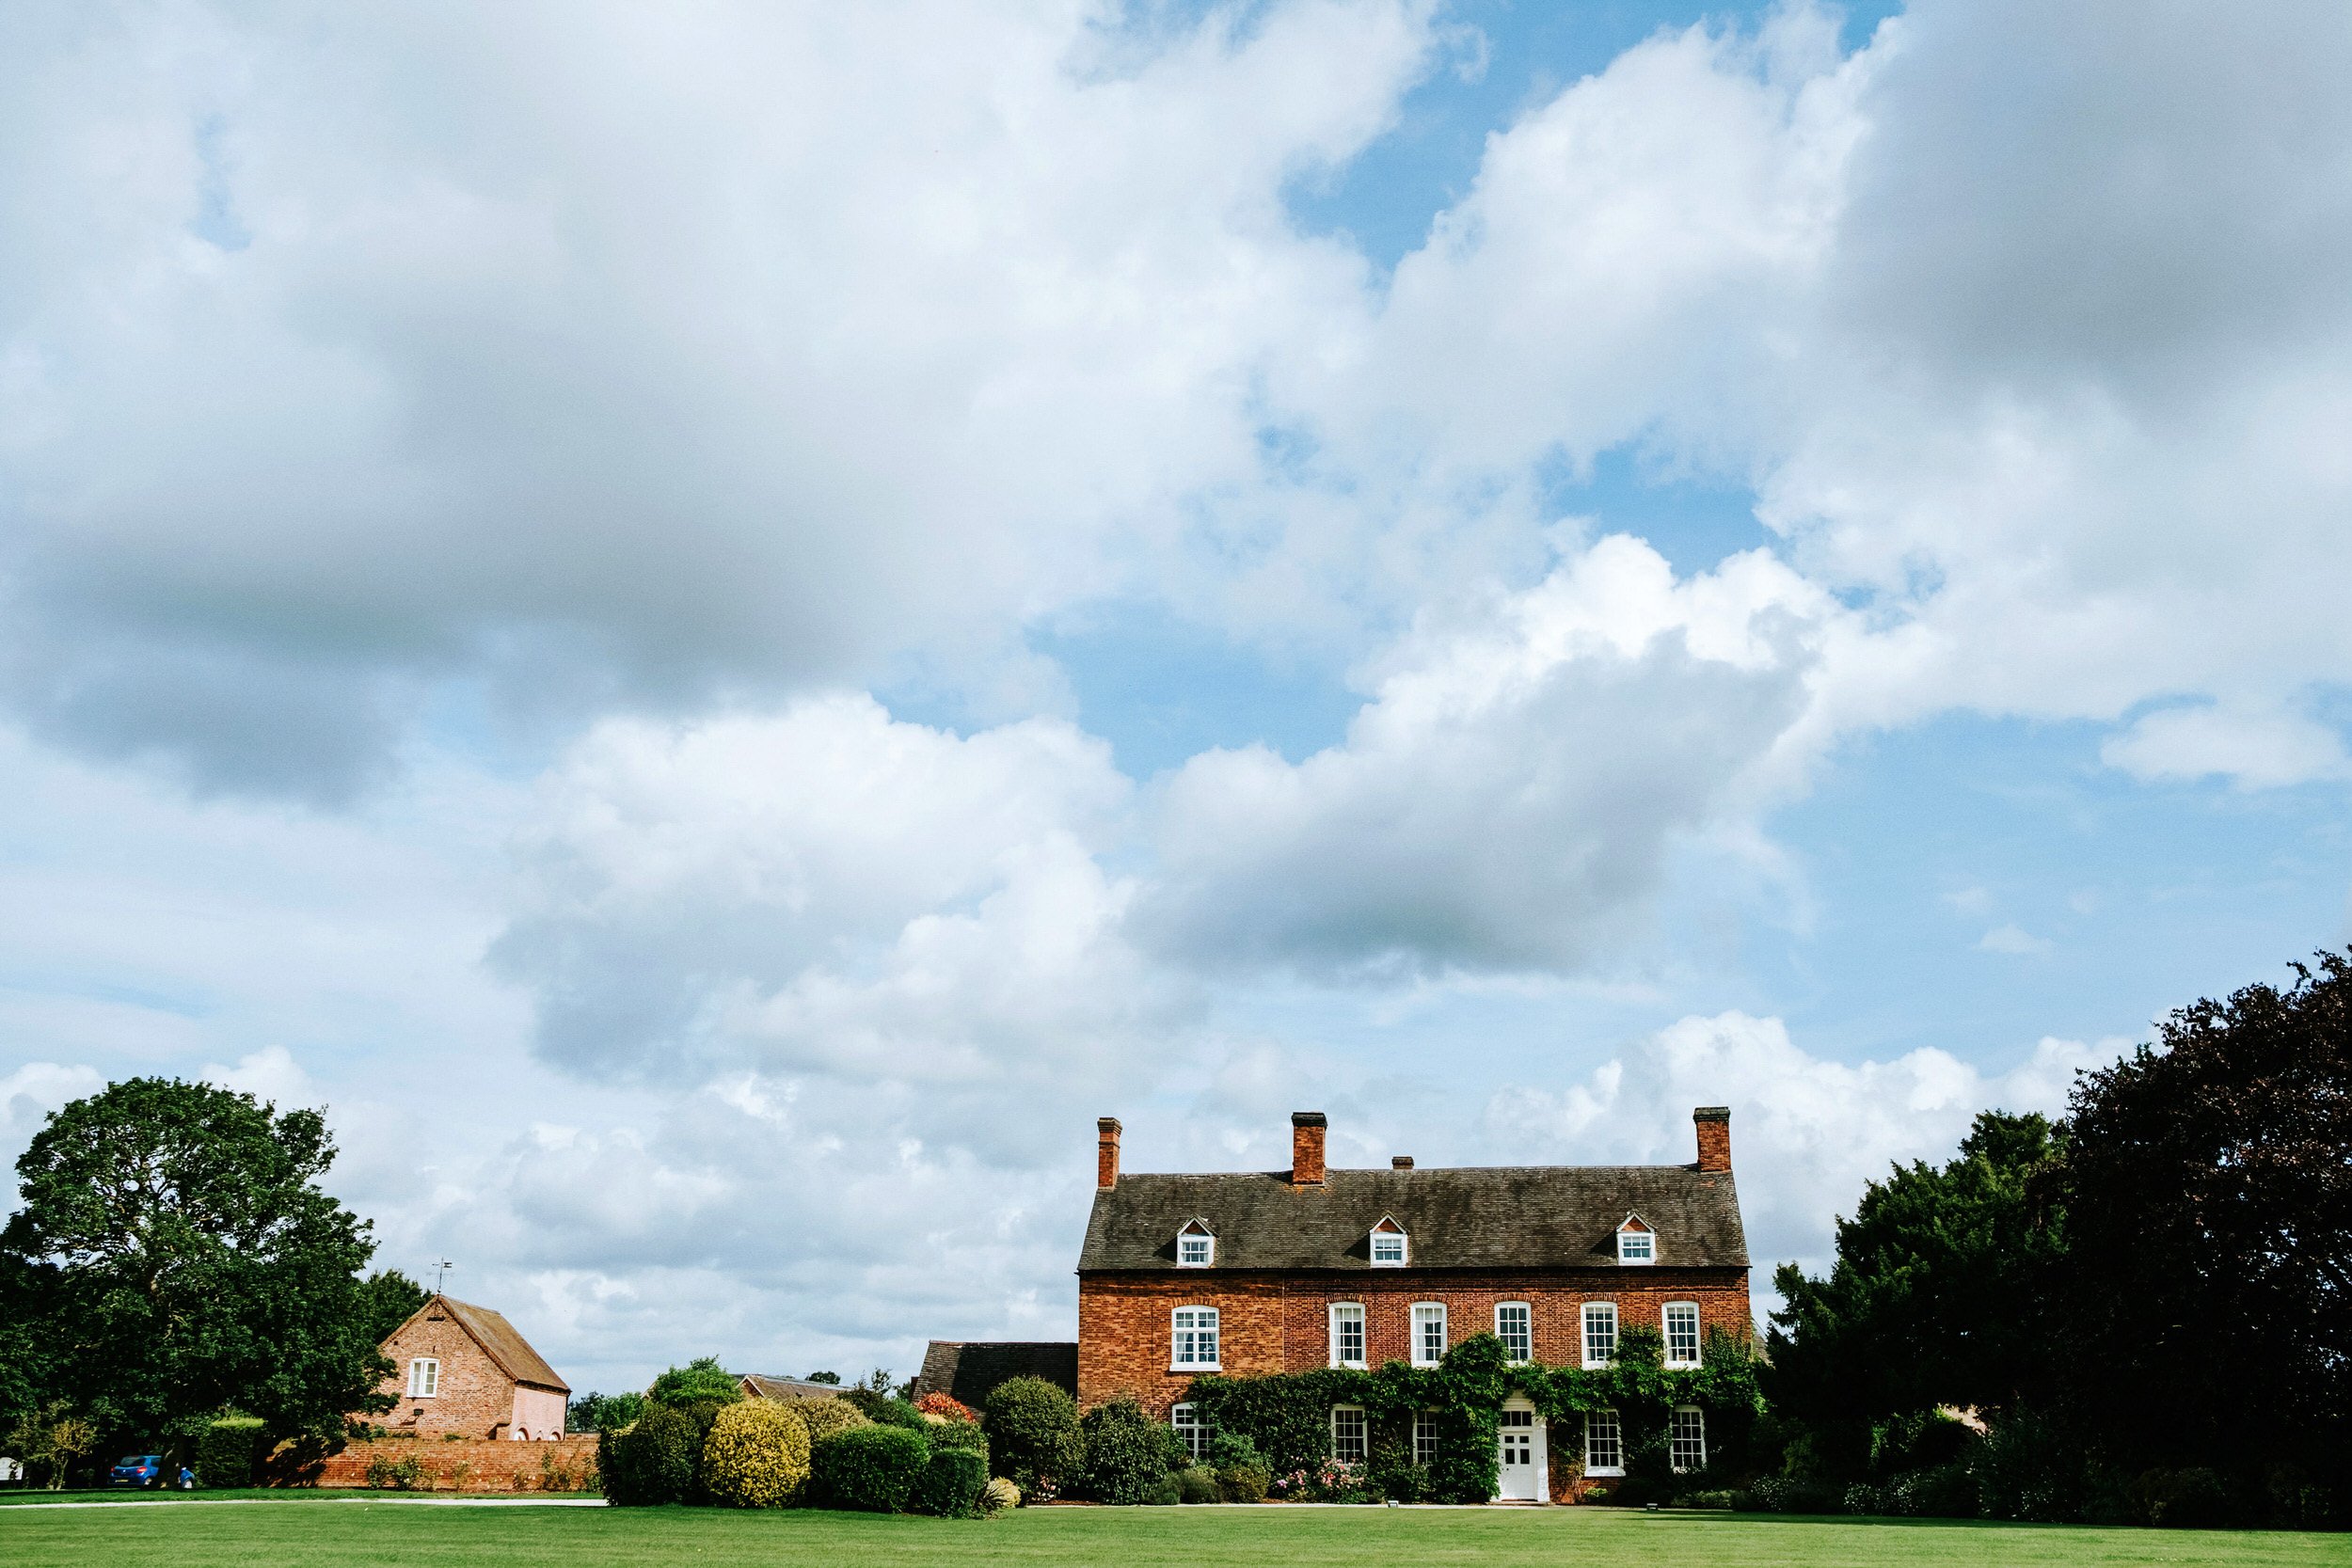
(1183, 1337)
(1363, 1433)
(1393, 1233)
(1616, 1440)
(1686, 1439)
(1426, 1313)
(1350, 1312)
(1666, 1327)
(424, 1377)
(1527, 1316)
(1598, 1312)
(1648, 1239)
(1424, 1438)
(1190, 1427)
(1187, 1238)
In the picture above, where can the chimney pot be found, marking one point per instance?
(1307, 1131)
(1106, 1153)
(1400, 1161)
(1714, 1131)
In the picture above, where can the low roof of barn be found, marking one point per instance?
(1466, 1217)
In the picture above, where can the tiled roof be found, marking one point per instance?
(759, 1385)
(1470, 1218)
(510, 1350)
(970, 1370)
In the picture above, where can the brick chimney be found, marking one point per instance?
(1714, 1125)
(1400, 1161)
(1107, 1154)
(1307, 1128)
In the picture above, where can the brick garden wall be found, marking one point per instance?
(470, 1465)
(1275, 1324)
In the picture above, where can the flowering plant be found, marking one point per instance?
(946, 1406)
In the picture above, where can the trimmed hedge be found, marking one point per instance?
(756, 1456)
(823, 1417)
(1032, 1428)
(870, 1467)
(951, 1485)
(229, 1450)
(652, 1462)
(961, 1436)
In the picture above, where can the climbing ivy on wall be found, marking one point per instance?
(1288, 1414)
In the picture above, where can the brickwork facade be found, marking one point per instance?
(1281, 1324)
(473, 1396)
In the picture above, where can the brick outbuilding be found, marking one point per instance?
(458, 1368)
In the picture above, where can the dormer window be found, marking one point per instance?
(1196, 1248)
(1636, 1242)
(1388, 1245)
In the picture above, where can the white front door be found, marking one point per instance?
(1520, 1476)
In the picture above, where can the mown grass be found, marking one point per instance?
(332, 1534)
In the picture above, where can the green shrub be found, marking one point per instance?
(1033, 1437)
(701, 1379)
(1168, 1492)
(895, 1413)
(756, 1456)
(872, 1467)
(950, 1484)
(960, 1436)
(228, 1451)
(2026, 1468)
(1128, 1454)
(2193, 1499)
(1000, 1495)
(1199, 1483)
(653, 1461)
(1244, 1484)
(407, 1474)
(823, 1417)
(1939, 1491)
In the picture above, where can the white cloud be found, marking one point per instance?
(622, 356)
(2013, 940)
(1806, 1132)
(2253, 750)
(1509, 798)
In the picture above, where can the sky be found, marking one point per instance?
(716, 626)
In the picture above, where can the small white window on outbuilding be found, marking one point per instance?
(424, 1378)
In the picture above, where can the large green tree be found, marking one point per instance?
(2208, 1184)
(177, 1254)
(1938, 1294)
(388, 1299)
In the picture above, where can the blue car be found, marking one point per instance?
(138, 1469)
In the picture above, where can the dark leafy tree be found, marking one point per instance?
(389, 1298)
(181, 1257)
(593, 1412)
(1938, 1295)
(2208, 1187)
(823, 1377)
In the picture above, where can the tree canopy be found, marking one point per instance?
(2208, 1184)
(174, 1254)
(1935, 1296)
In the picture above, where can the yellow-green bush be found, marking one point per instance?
(823, 1417)
(756, 1456)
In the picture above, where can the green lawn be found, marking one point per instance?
(298, 1534)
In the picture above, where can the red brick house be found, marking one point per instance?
(1283, 1271)
(458, 1368)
